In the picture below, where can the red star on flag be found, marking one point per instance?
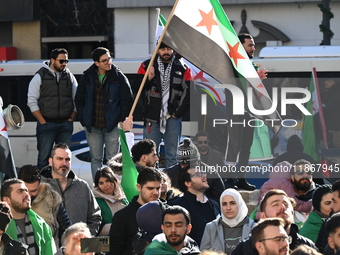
(260, 87)
(207, 20)
(314, 107)
(233, 52)
(199, 76)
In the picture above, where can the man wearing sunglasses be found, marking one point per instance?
(51, 100)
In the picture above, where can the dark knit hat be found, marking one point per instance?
(149, 217)
(187, 152)
(318, 194)
(5, 215)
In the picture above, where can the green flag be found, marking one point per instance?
(308, 132)
(129, 172)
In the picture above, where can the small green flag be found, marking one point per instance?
(129, 172)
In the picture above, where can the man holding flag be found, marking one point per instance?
(167, 99)
(201, 32)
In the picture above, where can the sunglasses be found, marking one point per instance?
(62, 61)
(303, 172)
(202, 142)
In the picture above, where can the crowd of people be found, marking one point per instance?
(52, 211)
(181, 209)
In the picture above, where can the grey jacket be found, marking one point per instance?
(78, 199)
(213, 237)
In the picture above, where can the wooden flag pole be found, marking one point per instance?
(151, 61)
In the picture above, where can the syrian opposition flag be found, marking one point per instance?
(7, 165)
(308, 132)
(202, 80)
(201, 32)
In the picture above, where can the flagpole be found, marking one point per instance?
(322, 119)
(158, 12)
(151, 61)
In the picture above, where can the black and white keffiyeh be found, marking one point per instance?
(165, 85)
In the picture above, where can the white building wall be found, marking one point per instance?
(135, 27)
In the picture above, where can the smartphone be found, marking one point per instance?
(95, 244)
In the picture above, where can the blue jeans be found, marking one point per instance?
(48, 134)
(96, 140)
(171, 138)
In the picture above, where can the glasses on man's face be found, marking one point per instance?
(202, 142)
(105, 61)
(279, 239)
(62, 61)
(197, 174)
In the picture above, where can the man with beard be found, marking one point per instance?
(176, 225)
(8, 246)
(240, 138)
(26, 226)
(77, 196)
(333, 232)
(187, 153)
(166, 99)
(209, 156)
(45, 201)
(270, 238)
(50, 98)
(276, 204)
(144, 154)
(302, 180)
(193, 183)
(124, 223)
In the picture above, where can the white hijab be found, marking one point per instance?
(242, 207)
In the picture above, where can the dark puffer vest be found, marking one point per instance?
(55, 101)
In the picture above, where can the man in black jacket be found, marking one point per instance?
(193, 183)
(166, 99)
(124, 223)
(8, 246)
(103, 99)
(276, 204)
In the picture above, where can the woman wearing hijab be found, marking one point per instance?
(109, 195)
(226, 232)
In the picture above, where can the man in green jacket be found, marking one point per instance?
(176, 225)
(26, 226)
